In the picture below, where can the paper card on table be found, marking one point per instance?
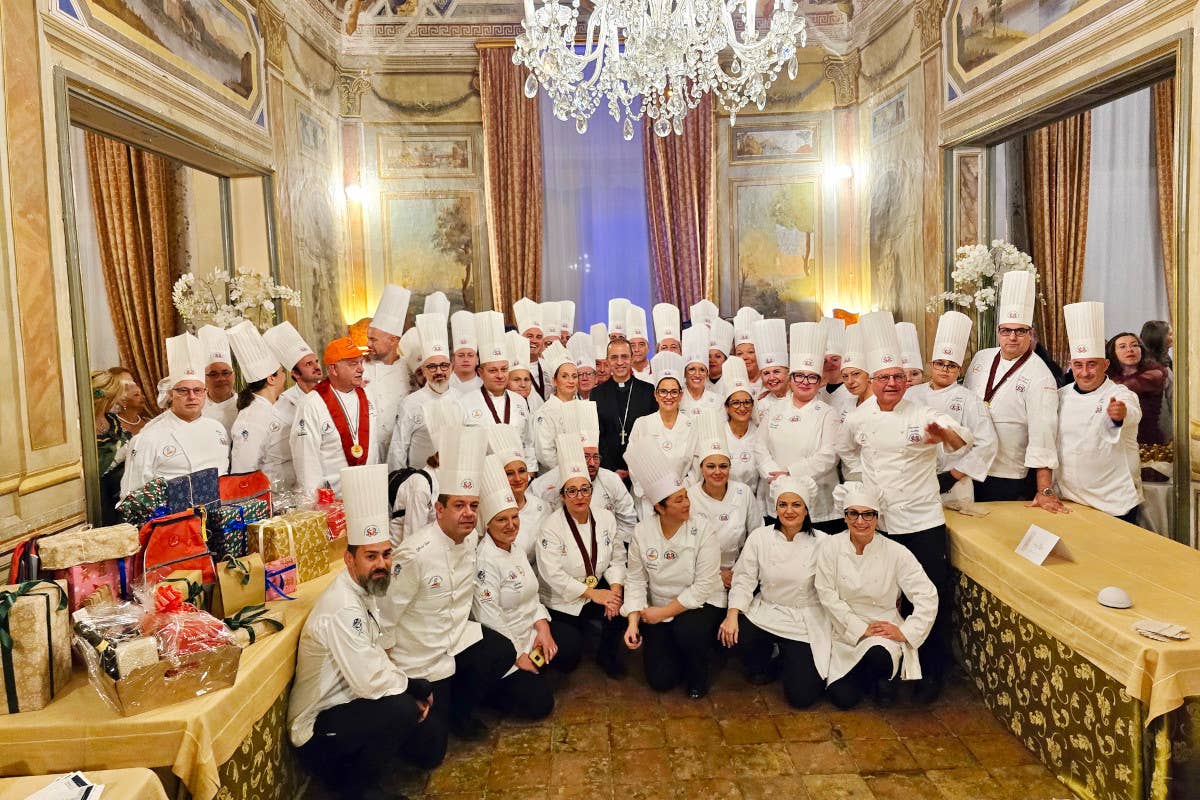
(1038, 543)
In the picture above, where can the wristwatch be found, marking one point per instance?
(1048, 492)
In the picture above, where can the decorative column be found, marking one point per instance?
(842, 72)
(351, 87)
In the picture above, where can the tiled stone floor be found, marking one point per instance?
(618, 740)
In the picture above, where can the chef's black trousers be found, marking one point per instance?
(571, 631)
(802, 684)
(680, 649)
(353, 745)
(875, 665)
(932, 550)
(995, 489)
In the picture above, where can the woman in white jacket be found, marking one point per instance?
(549, 421)
(860, 577)
(671, 431)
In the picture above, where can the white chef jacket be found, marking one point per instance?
(1024, 411)
(506, 595)
(966, 408)
(389, 387)
(415, 497)
(1093, 451)
(560, 564)
(608, 494)
(462, 387)
(411, 443)
(427, 609)
(743, 464)
(224, 412)
(685, 567)
(476, 413)
(548, 423)
(763, 407)
(171, 448)
(692, 407)
(533, 514)
(802, 442)
(277, 455)
(253, 428)
(730, 519)
(784, 575)
(842, 406)
(676, 443)
(858, 590)
(837, 395)
(542, 377)
(896, 460)
(340, 658)
(317, 446)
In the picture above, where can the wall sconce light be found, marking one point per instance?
(354, 192)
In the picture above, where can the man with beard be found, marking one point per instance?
(385, 371)
(352, 711)
(412, 444)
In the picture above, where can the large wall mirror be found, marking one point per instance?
(143, 206)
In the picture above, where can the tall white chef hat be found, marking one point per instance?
(853, 356)
(635, 323)
(695, 346)
(807, 350)
(527, 314)
(880, 341)
(1018, 291)
(566, 316)
(666, 365)
(442, 416)
(504, 442)
(410, 348)
(856, 493)
(800, 485)
(460, 459)
(581, 418)
(517, 348)
(214, 344)
(392, 309)
(743, 325)
(666, 322)
(287, 344)
(710, 434)
(599, 333)
(835, 335)
(365, 498)
(910, 345)
(490, 343)
(437, 303)
(254, 357)
(186, 360)
(720, 335)
(950, 341)
(1085, 329)
(581, 350)
(434, 341)
(703, 312)
(734, 378)
(571, 463)
(551, 324)
(771, 343)
(554, 356)
(650, 468)
(495, 495)
(618, 316)
(462, 331)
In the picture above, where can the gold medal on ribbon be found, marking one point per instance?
(591, 581)
(356, 450)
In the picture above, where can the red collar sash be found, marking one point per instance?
(354, 444)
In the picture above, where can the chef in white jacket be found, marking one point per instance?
(296, 356)
(860, 576)
(743, 344)
(799, 433)
(720, 343)
(832, 390)
(427, 608)
(1022, 396)
(672, 432)
(668, 333)
(415, 501)
(773, 601)
(1097, 423)
(943, 393)
(464, 355)
(771, 347)
(181, 440)
(412, 442)
(549, 420)
(897, 443)
(581, 561)
(352, 712)
(637, 333)
(528, 316)
(384, 372)
(256, 421)
(336, 424)
(493, 403)
(910, 353)
(672, 582)
(741, 432)
(505, 445)
(698, 394)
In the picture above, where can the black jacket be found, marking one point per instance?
(610, 401)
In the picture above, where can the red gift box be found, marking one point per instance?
(335, 512)
(84, 580)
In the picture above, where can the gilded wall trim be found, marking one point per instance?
(842, 72)
(45, 478)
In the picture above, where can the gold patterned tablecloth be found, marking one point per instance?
(119, 784)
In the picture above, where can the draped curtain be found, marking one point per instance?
(134, 203)
(1162, 96)
(512, 144)
(680, 206)
(1057, 167)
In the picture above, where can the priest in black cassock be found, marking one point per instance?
(619, 401)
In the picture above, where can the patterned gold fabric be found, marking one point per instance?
(1162, 96)
(264, 767)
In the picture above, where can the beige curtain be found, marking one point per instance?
(512, 144)
(133, 197)
(680, 205)
(1163, 108)
(1057, 167)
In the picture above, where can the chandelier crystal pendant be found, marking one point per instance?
(656, 58)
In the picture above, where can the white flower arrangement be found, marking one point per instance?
(977, 272)
(224, 300)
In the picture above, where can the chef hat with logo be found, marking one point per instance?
(695, 346)
(437, 303)
(835, 335)
(734, 378)
(186, 360)
(720, 335)
(495, 495)
(853, 356)
(635, 323)
(462, 331)
(581, 418)
(599, 333)
(490, 343)
(666, 322)
(666, 365)
(287, 344)
(517, 348)
(460, 460)
(703, 312)
(566, 316)
(1018, 291)
(800, 485)
(554, 356)
(1085, 329)
(771, 343)
(504, 441)
(527, 315)
(618, 317)
(856, 493)
(950, 341)
(880, 341)
(910, 346)
(551, 324)
(650, 469)
(434, 341)
(392, 310)
(255, 358)
(410, 348)
(580, 348)
(441, 417)
(710, 434)
(571, 463)
(214, 344)
(365, 499)
(807, 350)
(743, 325)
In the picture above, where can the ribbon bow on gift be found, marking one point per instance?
(169, 600)
(235, 564)
(249, 615)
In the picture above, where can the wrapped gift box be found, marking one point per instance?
(241, 582)
(197, 489)
(253, 623)
(281, 579)
(37, 650)
(167, 681)
(190, 583)
(84, 580)
(87, 546)
(300, 534)
(144, 502)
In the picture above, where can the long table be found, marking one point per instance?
(1113, 713)
(119, 784)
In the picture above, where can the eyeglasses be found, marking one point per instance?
(667, 394)
(889, 378)
(591, 457)
(438, 367)
(1016, 333)
(225, 373)
(740, 403)
(184, 391)
(578, 491)
(852, 515)
(805, 378)
(947, 366)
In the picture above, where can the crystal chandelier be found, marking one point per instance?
(656, 58)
